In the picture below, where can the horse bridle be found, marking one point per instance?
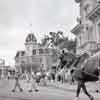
(76, 63)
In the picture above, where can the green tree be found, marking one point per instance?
(58, 40)
(44, 41)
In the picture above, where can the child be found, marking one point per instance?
(17, 84)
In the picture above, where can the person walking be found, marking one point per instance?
(63, 61)
(33, 82)
(17, 83)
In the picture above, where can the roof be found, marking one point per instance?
(20, 53)
(31, 38)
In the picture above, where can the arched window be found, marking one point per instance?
(34, 52)
(41, 51)
(22, 53)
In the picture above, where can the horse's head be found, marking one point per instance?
(80, 59)
(77, 63)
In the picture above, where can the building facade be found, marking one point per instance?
(87, 29)
(2, 68)
(34, 57)
(5, 71)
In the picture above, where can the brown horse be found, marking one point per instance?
(86, 69)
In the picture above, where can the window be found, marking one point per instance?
(34, 52)
(22, 53)
(28, 48)
(99, 32)
(41, 51)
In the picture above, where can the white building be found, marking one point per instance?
(88, 28)
(5, 70)
(2, 68)
(34, 57)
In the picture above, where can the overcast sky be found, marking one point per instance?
(44, 15)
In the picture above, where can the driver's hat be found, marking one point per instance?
(65, 50)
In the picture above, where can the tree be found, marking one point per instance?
(58, 40)
(45, 40)
(69, 44)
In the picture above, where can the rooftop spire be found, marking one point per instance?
(77, 1)
(30, 25)
(31, 38)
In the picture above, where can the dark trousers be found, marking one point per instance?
(17, 85)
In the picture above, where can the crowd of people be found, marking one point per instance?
(58, 74)
(33, 78)
(61, 73)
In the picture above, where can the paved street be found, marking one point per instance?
(45, 93)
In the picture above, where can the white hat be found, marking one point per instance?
(65, 50)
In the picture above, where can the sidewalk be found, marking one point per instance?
(6, 91)
(7, 86)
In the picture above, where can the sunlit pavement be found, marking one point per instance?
(45, 93)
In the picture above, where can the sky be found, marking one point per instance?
(16, 16)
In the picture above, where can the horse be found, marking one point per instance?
(86, 69)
